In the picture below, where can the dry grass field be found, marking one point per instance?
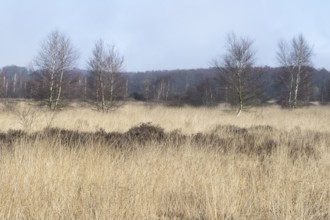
(156, 162)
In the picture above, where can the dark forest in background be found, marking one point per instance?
(198, 87)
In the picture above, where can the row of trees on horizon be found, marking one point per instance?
(233, 78)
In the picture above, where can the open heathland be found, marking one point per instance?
(156, 162)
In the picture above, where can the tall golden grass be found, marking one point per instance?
(188, 119)
(225, 172)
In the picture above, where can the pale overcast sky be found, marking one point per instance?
(163, 34)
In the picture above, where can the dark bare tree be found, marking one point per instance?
(3, 84)
(236, 70)
(162, 87)
(148, 88)
(327, 92)
(295, 59)
(12, 82)
(56, 58)
(207, 89)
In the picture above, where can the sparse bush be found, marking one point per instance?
(26, 115)
(51, 119)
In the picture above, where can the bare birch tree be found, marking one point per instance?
(67, 58)
(56, 58)
(236, 67)
(105, 67)
(295, 58)
(114, 65)
(96, 64)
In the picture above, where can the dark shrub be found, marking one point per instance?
(145, 133)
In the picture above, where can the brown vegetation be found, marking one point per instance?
(154, 171)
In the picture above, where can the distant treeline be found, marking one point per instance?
(176, 87)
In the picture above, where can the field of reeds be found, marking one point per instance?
(157, 162)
